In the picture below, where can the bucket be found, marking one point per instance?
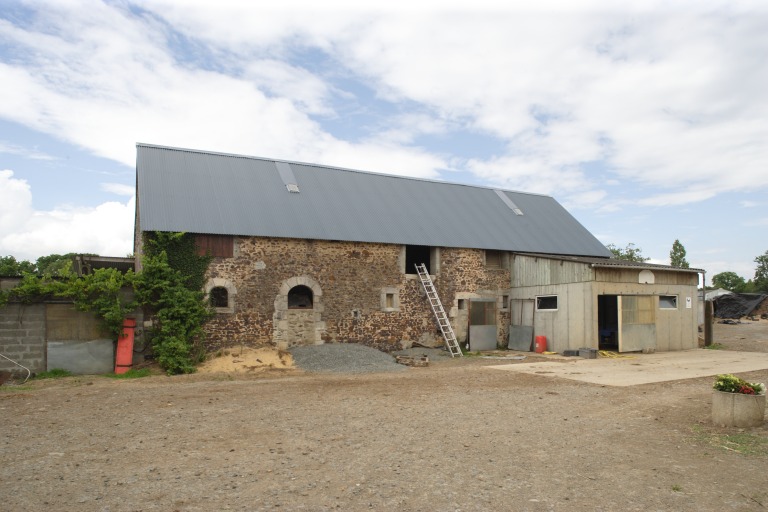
(540, 344)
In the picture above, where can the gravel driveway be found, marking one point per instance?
(452, 436)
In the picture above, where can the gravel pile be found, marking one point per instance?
(354, 358)
(343, 358)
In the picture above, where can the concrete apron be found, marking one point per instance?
(645, 368)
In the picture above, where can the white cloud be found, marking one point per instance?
(308, 92)
(28, 234)
(670, 116)
(119, 189)
(662, 107)
(15, 201)
(15, 149)
(104, 79)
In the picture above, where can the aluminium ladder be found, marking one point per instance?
(437, 308)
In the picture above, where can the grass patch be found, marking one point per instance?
(745, 443)
(677, 488)
(14, 389)
(130, 374)
(55, 373)
(715, 346)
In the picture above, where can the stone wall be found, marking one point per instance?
(350, 283)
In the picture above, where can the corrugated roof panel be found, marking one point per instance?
(194, 191)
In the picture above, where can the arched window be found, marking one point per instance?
(219, 297)
(300, 297)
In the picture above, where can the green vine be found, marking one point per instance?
(170, 286)
(103, 292)
(182, 255)
(106, 292)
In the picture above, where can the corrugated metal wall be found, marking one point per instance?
(533, 271)
(574, 324)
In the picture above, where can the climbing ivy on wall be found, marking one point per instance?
(170, 286)
(181, 253)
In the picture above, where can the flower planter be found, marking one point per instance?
(737, 409)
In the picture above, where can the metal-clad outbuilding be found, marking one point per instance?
(611, 304)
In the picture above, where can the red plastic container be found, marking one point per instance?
(124, 356)
(540, 344)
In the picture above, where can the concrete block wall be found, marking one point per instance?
(22, 337)
(351, 281)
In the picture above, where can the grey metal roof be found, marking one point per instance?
(214, 193)
(616, 263)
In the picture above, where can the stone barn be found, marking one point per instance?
(309, 254)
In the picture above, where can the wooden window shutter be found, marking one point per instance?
(218, 246)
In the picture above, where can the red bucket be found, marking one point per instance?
(540, 344)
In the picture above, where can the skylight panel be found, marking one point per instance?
(507, 201)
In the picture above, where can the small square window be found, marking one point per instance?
(667, 301)
(462, 303)
(505, 302)
(390, 302)
(546, 303)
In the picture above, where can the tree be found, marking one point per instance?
(9, 267)
(55, 264)
(677, 255)
(629, 253)
(750, 287)
(761, 273)
(729, 281)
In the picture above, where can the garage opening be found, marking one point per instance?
(482, 324)
(608, 322)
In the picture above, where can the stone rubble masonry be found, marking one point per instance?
(22, 337)
(349, 281)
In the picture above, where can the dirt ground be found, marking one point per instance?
(453, 436)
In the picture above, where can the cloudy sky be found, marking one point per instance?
(647, 120)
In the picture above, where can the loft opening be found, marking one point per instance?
(219, 297)
(494, 259)
(420, 254)
(300, 297)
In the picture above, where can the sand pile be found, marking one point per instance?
(245, 359)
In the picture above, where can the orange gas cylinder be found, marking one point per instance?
(540, 344)
(124, 356)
